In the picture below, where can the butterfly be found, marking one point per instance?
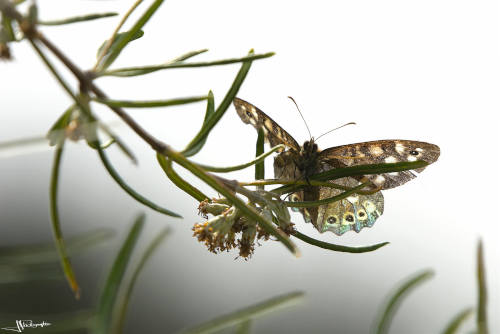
(299, 162)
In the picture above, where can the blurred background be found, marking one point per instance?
(426, 71)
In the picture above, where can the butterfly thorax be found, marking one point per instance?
(307, 161)
(295, 164)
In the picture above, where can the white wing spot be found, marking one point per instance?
(400, 148)
(268, 124)
(359, 154)
(353, 199)
(390, 160)
(412, 158)
(376, 150)
(243, 107)
(418, 149)
(369, 206)
(254, 112)
(379, 180)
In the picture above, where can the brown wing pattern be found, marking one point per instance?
(274, 134)
(381, 151)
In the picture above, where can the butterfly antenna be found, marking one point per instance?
(350, 123)
(296, 105)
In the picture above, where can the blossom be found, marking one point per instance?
(229, 228)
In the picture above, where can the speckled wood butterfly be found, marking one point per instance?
(299, 162)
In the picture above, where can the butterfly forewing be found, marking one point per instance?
(273, 133)
(382, 151)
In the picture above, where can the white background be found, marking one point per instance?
(425, 70)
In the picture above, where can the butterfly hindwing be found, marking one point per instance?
(382, 151)
(350, 214)
(274, 133)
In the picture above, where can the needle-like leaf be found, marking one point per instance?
(75, 19)
(368, 169)
(384, 320)
(107, 302)
(129, 36)
(124, 299)
(457, 321)
(324, 201)
(56, 223)
(482, 318)
(338, 248)
(258, 159)
(141, 70)
(43, 253)
(196, 147)
(166, 165)
(259, 150)
(226, 102)
(112, 50)
(150, 104)
(247, 313)
(129, 190)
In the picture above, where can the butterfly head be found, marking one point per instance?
(310, 147)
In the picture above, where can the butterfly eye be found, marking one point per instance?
(413, 152)
(332, 220)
